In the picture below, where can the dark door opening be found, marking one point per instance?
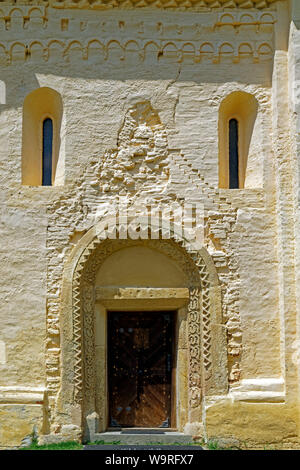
(140, 368)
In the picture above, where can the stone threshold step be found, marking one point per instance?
(162, 448)
(135, 438)
(144, 431)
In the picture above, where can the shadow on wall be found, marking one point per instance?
(239, 107)
(116, 70)
(40, 106)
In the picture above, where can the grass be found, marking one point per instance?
(70, 445)
(213, 445)
(73, 445)
(210, 445)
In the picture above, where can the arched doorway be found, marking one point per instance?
(104, 276)
(140, 328)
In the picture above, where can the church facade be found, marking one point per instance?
(150, 223)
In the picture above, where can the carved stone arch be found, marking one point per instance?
(207, 374)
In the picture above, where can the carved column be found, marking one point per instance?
(88, 323)
(194, 336)
(205, 320)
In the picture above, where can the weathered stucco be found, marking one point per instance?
(142, 92)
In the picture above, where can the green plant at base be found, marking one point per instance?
(213, 445)
(70, 445)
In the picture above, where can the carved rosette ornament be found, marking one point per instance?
(199, 311)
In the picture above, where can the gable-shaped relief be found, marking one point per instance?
(140, 161)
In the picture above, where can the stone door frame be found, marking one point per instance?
(168, 402)
(143, 299)
(207, 363)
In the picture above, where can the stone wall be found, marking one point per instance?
(141, 92)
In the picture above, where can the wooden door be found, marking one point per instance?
(140, 368)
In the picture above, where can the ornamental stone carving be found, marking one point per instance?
(201, 278)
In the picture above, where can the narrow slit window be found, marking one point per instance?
(233, 154)
(47, 152)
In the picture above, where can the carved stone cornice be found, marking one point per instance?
(194, 5)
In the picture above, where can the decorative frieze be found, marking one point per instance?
(99, 51)
(194, 5)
